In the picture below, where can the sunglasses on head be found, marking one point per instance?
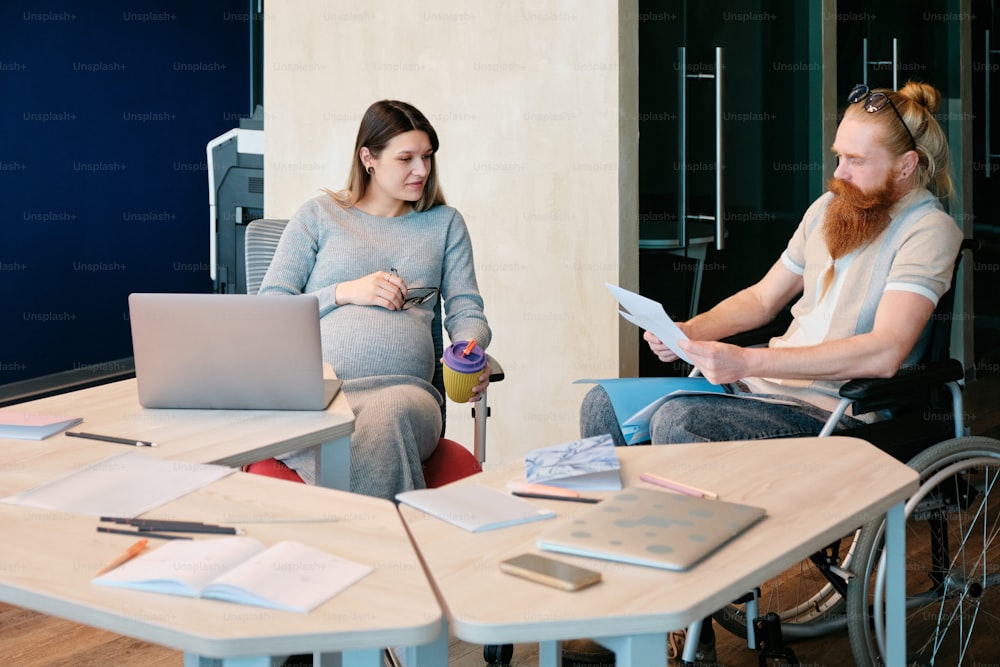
(876, 102)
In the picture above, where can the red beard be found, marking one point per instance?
(854, 218)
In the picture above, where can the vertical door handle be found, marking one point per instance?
(682, 146)
(720, 210)
(682, 214)
(987, 92)
(894, 62)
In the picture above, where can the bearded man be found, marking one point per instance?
(868, 263)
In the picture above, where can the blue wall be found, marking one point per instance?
(105, 110)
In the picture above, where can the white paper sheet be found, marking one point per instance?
(124, 485)
(474, 507)
(649, 315)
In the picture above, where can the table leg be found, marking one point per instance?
(369, 657)
(895, 586)
(630, 650)
(432, 653)
(192, 660)
(638, 650)
(335, 464)
(549, 654)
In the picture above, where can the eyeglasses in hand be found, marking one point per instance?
(876, 102)
(417, 296)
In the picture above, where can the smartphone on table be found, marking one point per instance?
(550, 572)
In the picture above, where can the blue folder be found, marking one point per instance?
(636, 399)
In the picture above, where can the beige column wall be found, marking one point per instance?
(534, 103)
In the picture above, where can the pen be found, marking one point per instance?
(181, 528)
(677, 486)
(545, 496)
(159, 536)
(171, 526)
(128, 555)
(110, 438)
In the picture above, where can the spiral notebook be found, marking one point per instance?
(651, 528)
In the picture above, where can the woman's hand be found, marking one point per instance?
(484, 382)
(381, 288)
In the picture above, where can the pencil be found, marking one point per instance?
(186, 528)
(159, 536)
(174, 526)
(128, 555)
(111, 438)
(677, 486)
(545, 496)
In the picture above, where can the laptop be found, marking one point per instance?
(659, 529)
(229, 352)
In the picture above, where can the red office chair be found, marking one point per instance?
(450, 460)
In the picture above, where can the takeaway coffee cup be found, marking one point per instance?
(464, 362)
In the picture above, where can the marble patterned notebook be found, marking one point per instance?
(651, 528)
(588, 464)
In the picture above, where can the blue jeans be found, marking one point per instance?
(708, 418)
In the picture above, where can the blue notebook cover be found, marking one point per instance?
(636, 399)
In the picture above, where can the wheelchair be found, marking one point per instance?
(952, 528)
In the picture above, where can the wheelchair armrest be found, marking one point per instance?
(496, 370)
(872, 394)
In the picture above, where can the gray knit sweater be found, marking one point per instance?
(324, 244)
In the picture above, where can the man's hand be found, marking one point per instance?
(720, 363)
(662, 352)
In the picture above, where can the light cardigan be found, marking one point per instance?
(915, 253)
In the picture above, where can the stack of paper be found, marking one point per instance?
(473, 507)
(124, 485)
(32, 426)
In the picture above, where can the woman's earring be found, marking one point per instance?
(370, 170)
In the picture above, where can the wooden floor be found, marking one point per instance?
(29, 639)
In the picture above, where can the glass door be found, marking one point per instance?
(730, 154)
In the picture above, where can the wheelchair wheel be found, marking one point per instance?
(952, 562)
(808, 598)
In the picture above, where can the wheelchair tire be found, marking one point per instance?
(498, 654)
(952, 559)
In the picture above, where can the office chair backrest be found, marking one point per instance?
(261, 241)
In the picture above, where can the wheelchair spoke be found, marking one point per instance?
(953, 548)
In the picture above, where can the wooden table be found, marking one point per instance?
(814, 490)
(225, 437)
(49, 559)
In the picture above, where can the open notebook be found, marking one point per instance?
(652, 528)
